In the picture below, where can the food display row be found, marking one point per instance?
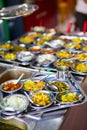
(45, 49)
(39, 92)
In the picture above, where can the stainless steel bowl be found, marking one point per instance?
(32, 85)
(57, 86)
(69, 97)
(18, 103)
(45, 59)
(25, 56)
(8, 90)
(41, 98)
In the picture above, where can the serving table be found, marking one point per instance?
(58, 119)
(58, 116)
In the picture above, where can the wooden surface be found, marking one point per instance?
(76, 118)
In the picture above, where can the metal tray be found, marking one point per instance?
(14, 73)
(51, 76)
(58, 106)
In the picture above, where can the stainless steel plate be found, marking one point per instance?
(16, 11)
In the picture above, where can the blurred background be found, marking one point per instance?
(51, 14)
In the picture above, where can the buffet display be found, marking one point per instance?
(47, 50)
(37, 94)
(39, 91)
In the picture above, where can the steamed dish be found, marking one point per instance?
(46, 58)
(18, 102)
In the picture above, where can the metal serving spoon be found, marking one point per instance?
(20, 77)
(53, 87)
(8, 111)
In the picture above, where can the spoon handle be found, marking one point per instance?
(20, 78)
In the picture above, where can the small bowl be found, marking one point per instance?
(10, 87)
(35, 49)
(64, 54)
(33, 85)
(46, 59)
(55, 44)
(41, 98)
(58, 86)
(69, 97)
(25, 56)
(79, 67)
(49, 51)
(63, 62)
(18, 102)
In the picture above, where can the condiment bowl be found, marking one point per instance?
(10, 86)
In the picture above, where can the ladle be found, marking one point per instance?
(53, 87)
